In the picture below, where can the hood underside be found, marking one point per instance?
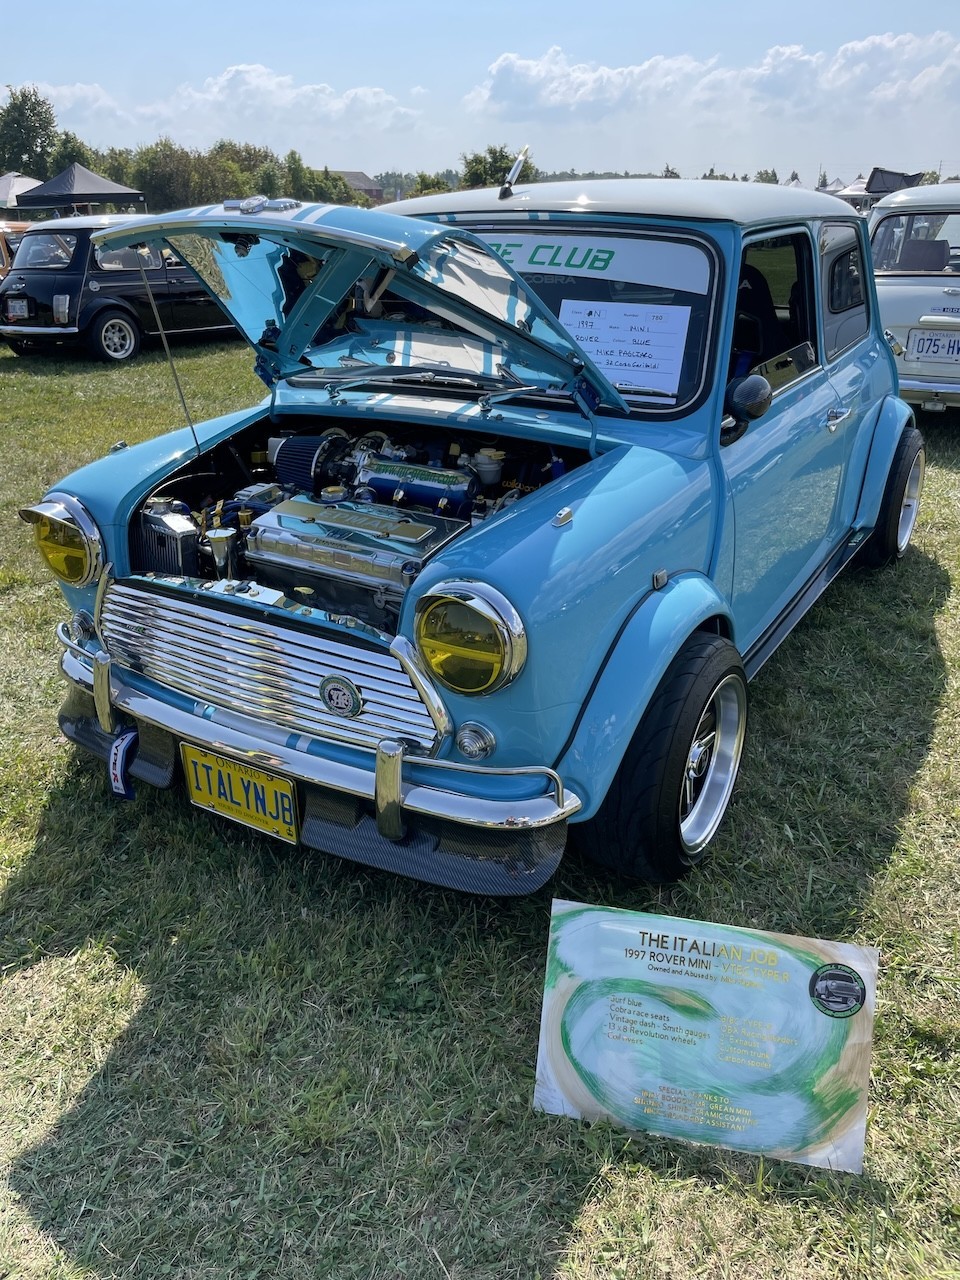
(355, 294)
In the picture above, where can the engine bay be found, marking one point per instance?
(337, 519)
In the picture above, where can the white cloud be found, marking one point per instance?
(248, 103)
(891, 99)
(849, 101)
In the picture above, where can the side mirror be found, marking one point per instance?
(746, 400)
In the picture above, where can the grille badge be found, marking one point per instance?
(341, 696)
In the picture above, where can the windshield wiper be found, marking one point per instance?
(632, 390)
(383, 373)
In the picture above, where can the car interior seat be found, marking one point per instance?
(924, 255)
(758, 334)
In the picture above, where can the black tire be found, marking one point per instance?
(900, 502)
(675, 781)
(114, 336)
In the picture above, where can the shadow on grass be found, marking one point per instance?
(329, 1071)
(65, 359)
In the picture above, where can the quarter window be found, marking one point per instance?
(128, 259)
(845, 316)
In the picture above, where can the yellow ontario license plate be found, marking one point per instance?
(257, 799)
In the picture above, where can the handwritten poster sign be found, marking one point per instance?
(635, 346)
(711, 1034)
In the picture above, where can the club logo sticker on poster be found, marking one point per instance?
(708, 1033)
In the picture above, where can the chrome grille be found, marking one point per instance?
(258, 668)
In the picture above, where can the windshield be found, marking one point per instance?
(52, 249)
(639, 306)
(918, 243)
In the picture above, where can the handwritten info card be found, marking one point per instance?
(707, 1033)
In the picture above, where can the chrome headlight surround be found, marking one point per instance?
(68, 512)
(494, 611)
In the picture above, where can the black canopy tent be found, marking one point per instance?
(78, 186)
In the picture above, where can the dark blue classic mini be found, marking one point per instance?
(63, 290)
(542, 477)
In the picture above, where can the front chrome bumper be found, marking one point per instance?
(384, 785)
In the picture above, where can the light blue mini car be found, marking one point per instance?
(543, 476)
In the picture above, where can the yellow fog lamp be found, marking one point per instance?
(67, 538)
(470, 637)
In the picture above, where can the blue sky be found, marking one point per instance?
(599, 84)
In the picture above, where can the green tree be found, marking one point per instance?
(930, 179)
(215, 178)
(116, 164)
(489, 168)
(268, 179)
(669, 172)
(394, 184)
(248, 157)
(823, 180)
(164, 173)
(299, 184)
(766, 175)
(794, 176)
(70, 149)
(428, 184)
(334, 189)
(28, 132)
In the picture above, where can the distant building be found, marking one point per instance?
(362, 183)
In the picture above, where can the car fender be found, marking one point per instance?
(894, 417)
(647, 643)
(91, 307)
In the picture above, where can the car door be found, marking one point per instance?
(191, 306)
(850, 353)
(118, 275)
(784, 474)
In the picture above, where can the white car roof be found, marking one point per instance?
(691, 199)
(944, 195)
(81, 222)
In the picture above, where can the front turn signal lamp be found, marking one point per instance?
(470, 637)
(67, 538)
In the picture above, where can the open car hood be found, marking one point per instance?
(355, 293)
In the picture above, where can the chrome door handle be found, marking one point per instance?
(835, 417)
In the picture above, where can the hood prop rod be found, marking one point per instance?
(166, 347)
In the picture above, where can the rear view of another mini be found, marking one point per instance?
(915, 236)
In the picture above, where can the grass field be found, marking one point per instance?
(220, 1058)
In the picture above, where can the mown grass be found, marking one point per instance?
(219, 1058)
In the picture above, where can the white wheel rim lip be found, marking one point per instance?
(911, 503)
(700, 819)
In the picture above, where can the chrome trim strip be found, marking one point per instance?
(260, 744)
(388, 790)
(101, 692)
(932, 388)
(35, 331)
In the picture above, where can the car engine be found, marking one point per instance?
(335, 520)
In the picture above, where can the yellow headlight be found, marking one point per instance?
(470, 637)
(67, 539)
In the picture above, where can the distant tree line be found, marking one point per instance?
(170, 176)
(175, 177)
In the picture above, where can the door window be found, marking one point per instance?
(774, 329)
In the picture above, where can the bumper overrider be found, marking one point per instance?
(374, 814)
